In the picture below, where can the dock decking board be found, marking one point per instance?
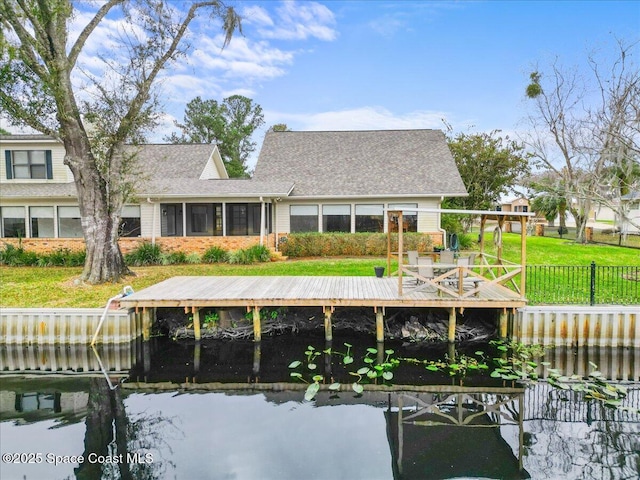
(225, 291)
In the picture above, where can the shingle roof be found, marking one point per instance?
(175, 170)
(343, 163)
(38, 190)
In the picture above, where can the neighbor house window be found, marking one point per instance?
(336, 218)
(42, 222)
(13, 223)
(130, 221)
(369, 218)
(244, 218)
(28, 164)
(69, 224)
(409, 218)
(303, 218)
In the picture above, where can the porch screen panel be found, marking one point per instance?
(130, 221)
(369, 218)
(409, 218)
(13, 223)
(336, 218)
(42, 222)
(303, 218)
(171, 219)
(200, 219)
(237, 219)
(244, 218)
(69, 224)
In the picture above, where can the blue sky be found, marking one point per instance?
(351, 65)
(382, 64)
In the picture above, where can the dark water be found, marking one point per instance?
(228, 410)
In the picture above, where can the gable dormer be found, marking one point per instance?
(214, 168)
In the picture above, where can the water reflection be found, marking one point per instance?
(227, 410)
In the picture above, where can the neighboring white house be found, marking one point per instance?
(303, 181)
(633, 201)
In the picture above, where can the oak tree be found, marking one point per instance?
(95, 116)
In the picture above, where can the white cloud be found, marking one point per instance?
(363, 118)
(295, 21)
(256, 15)
(241, 58)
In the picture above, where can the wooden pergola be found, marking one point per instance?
(396, 216)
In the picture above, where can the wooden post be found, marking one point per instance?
(483, 222)
(503, 323)
(400, 253)
(523, 256)
(196, 322)
(499, 248)
(257, 330)
(379, 324)
(146, 322)
(452, 325)
(451, 352)
(380, 353)
(328, 328)
(389, 215)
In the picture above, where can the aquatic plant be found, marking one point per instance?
(515, 362)
(314, 382)
(211, 320)
(372, 371)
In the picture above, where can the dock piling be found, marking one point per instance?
(196, 322)
(328, 327)
(379, 324)
(257, 329)
(452, 325)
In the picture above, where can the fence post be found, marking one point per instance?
(592, 291)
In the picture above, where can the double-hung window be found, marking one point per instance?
(28, 164)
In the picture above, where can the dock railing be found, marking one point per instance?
(463, 281)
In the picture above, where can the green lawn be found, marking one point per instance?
(553, 251)
(55, 286)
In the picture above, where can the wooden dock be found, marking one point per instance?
(254, 293)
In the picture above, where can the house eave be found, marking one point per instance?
(377, 196)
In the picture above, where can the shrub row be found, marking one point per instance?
(350, 244)
(149, 254)
(145, 254)
(18, 256)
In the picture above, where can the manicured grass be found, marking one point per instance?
(55, 286)
(553, 251)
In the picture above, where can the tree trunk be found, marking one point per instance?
(100, 215)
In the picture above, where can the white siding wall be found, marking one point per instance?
(61, 173)
(210, 171)
(146, 219)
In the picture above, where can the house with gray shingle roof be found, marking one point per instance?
(303, 182)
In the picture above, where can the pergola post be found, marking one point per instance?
(400, 253)
(523, 255)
